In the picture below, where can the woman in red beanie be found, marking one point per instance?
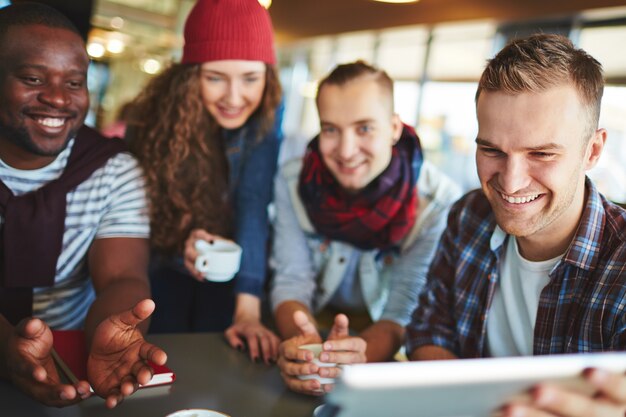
(208, 137)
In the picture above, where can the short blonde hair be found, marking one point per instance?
(542, 61)
(344, 73)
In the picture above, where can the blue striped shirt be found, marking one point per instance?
(582, 309)
(110, 203)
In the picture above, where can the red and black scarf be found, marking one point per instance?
(378, 216)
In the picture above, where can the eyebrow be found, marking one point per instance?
(544, 147)
(360, 122)
(245, 74)
(44, 68)
(355, 123)
(31, 66)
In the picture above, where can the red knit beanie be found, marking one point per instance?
(228, 29)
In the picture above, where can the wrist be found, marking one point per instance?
(247, 308)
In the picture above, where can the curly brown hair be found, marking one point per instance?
(178, 145)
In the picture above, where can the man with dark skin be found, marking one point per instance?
(43, 103)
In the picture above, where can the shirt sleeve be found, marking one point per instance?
(253, 196)
(408, 274)
(294, 279)
(126, 213)
(433, 322)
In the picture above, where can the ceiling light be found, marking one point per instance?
(117, 22)
(397, 1)
(151, 66)
(115, 46)
(309, 89)
(95, 50)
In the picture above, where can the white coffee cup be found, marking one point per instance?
(197, 412)
(218, 260)
(316, 348)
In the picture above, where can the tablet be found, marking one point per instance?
(455, 388)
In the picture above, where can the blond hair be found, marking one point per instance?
(542, 61)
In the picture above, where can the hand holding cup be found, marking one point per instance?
(317, 349)
(218, 260)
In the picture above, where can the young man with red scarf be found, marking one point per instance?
(358, 220)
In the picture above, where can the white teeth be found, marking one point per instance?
(519, 200)
(51, 122)
(351, 166)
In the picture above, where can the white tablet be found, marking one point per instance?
(455, 388)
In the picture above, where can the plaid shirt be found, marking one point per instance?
(581, 309)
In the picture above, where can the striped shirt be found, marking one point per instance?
(581, 309)
(110, 203)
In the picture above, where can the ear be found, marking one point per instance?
(594, 149)
(396, 126)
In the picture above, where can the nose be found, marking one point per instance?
(55, 95)
(348, 146)
(234, 94)
(514, 176)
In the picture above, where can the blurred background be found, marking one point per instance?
(434, 49)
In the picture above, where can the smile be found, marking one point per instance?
(349, 169)
(350, 166)
(231, 112)
(518, 200)
(50, 121)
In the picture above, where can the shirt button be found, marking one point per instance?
(342, 260)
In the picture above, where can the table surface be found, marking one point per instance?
(209, 374)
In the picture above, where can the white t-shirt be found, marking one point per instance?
(110, 203)
(511, 321)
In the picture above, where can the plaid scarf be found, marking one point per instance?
(377, 217)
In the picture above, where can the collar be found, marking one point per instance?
(584, 250)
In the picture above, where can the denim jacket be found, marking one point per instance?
(252, 167)
(308, 268)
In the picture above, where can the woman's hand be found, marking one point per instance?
(262, 343)
(191, 253)
(247, 329)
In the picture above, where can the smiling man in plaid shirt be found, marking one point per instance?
(534, 262)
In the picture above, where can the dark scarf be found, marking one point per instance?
(34, 223)
(376, 217)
